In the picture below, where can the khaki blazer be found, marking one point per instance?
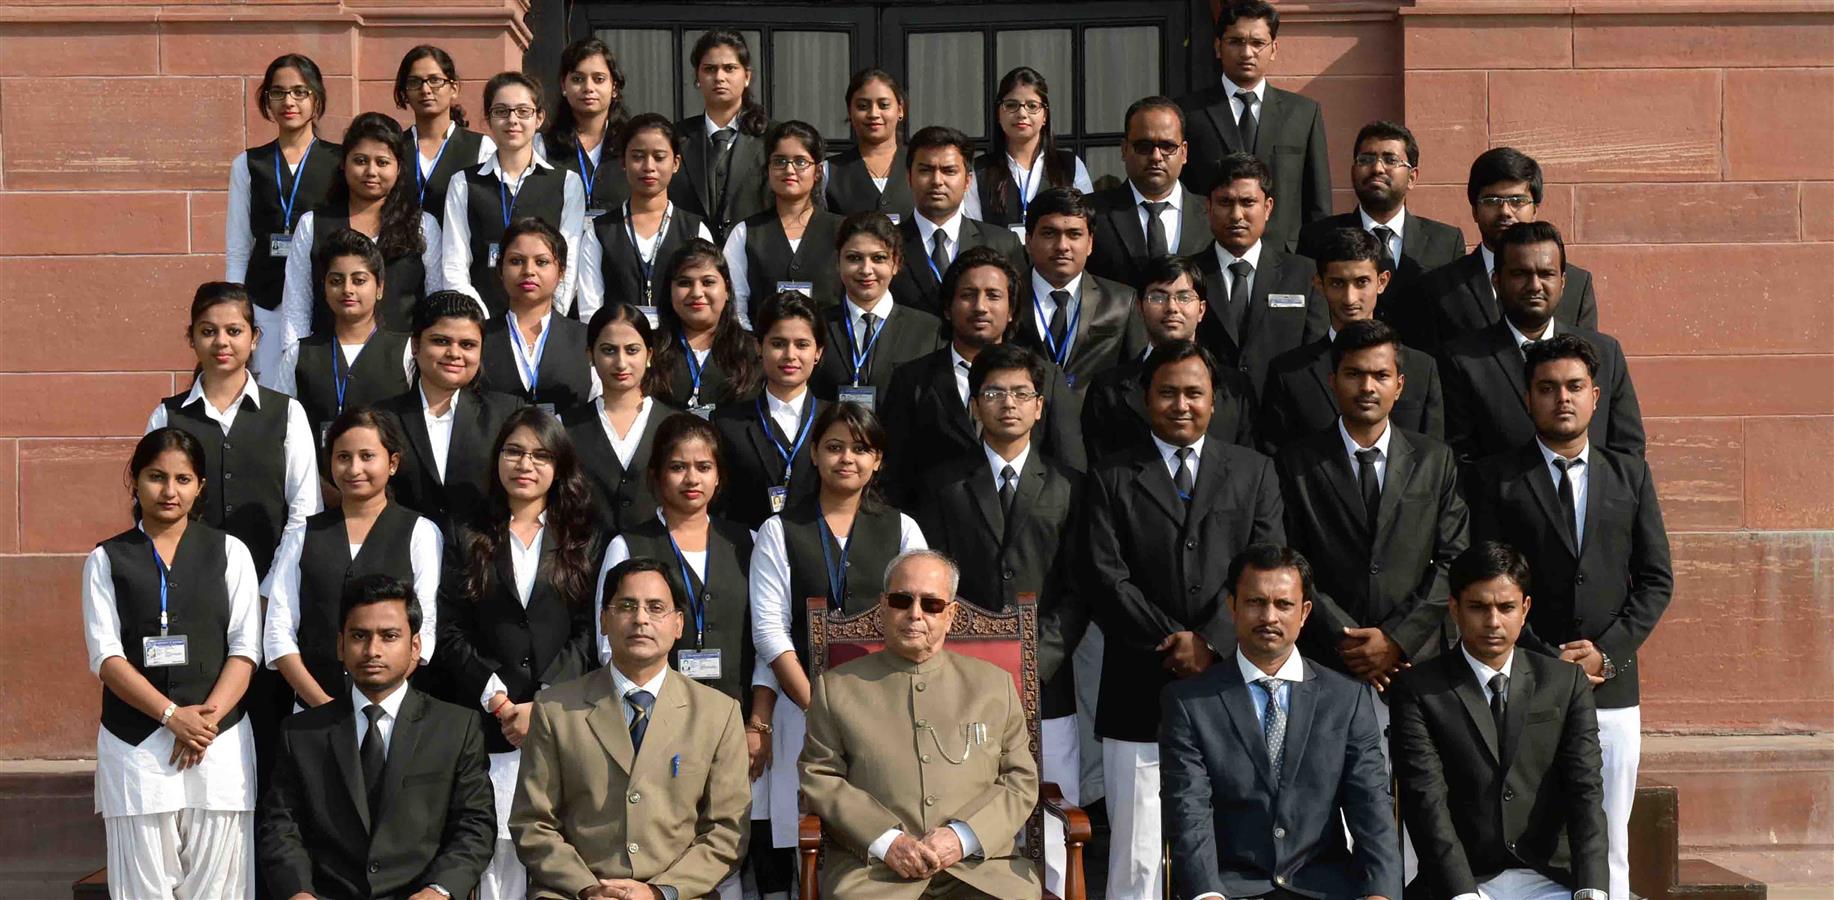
(889, 747)
(588, 807)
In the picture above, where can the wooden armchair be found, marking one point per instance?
(1008, 640)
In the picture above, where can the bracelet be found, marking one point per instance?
(166, 716)
(763, 728)
(499, 707)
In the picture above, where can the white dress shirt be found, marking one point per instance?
(958, 368)
(951, 228)
(1395, 223)
(590, 282)
(299, 450)
(280, 632)
(1225, 259)
(1291, 672)
(1029, 181)
(1580, 474)
(1172, 217)
(1517, 337)
(524, 563)
(770, 585)
(455, 247)
(856, 320)
(528, 354)
(1235, 105)
(996, 462)
(385, 723)
(301, 293)
(439, 428)
(787, 413)
(1044, 306)
(1380, 446)
(626, 446)
(1484, 673)
(238, 238)
(1169, 453)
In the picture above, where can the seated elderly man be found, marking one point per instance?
(917, 759)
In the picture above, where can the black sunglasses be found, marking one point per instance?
(903, 600)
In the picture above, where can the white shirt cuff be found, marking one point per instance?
(491, 689)
(878, 848)
(971, 845)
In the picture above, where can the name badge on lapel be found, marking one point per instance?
(166, 650)
(279, 245)
(491, 254)
(805, 288)
(649, 312)
(1286, 301)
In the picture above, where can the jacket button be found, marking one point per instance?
(1509, 795)
(1244, 368)
(929, 801)
(227, 446)
(921, 685)
(631, 848)
(1279, 879)
(925, 757)
(923, 723)
(625, 479)
(1190, 545)
(525, 662)
(1577, 579)
(1511, 845)
(228, 475)
(635, 796)
(1007, 575)
(1375, 568)
(374, 868)
(624, 502)
(1193, 590)
(1279, 832)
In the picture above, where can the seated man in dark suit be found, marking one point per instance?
(1151, 214)
(1587, 519)
(929, 411)
(1262, 299)
(1382, 171)
(1083, 323)
(1299, 401)
(1458, 298)
(1485, 409)
(1164, 519)
(1269, 761)
(384, 791)
(1242, 114)
(1496, 753)
(1171, 303)
(940, 160)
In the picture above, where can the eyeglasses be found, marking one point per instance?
(799, 163)
(1387, 159)
(656, 609)
(1180, 298)
(998, 395)
(1255, 44)
(503, 113)
(1146, 148)
(513, 454)
(297, 92)
(1513, 201)
(1030, 107)
(904, 599)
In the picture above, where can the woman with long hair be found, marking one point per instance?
(873, 176)
(704, 357)
(589, 114)
(628, 248)
(427, 81)
(614, 433)
(357, 359)
(789, 247)
(1025, 160)
(722, 150)
(762, 443)
(531, 351)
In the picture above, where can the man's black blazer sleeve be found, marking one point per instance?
(1626, 432)
(1652, 576)
(285, 864)
(470, 836)
(1586, 316)
(1368, 807)
(1317, 172)
(1580, 762)
(1185, 800)
(1425, 800)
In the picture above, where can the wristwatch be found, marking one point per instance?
(1606, 669)
(439, 890)
(166, 716)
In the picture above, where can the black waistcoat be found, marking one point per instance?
(620, 266)
(245, 471)
(769, 259)
(870, 548)
(563, 375)
(621, 496)
(404, 278)
(460, 154)
(1007, 209)
(376, 375)
(325, 565)
(267, 273)
(850, 187)
(727, 612)
(197, 606)
(606, 185)
(543, 195)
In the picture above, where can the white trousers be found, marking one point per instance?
(1062, 765)
(1620, 742)
(505, 878)
(191, 854)
(1521, 884)
(1136, 843)
(1088, 663)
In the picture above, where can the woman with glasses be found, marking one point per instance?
(835, 544)
(1026, 160)
(628, 248)
(516, 606)
(270, 188)
(873, 176)
(514, 183)
(791, 246)
(427, 82)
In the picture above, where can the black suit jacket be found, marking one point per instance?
(1485, 410)
(458, 498)
(563, 375)
(747, 193)
(621, 496)
(1109, 330)
(918, 287)
(1114, 411)
(750, 464)
(1233, 830)
(1155, 568)
(930, 429)
(1120, 240)
(905, 335)
(1299, 402)
(1267, 331)
(437, 821)
(1030, 550)
(1289, 137)
(1458, 298)
(1613, 587)
(1426, 245)
(1477, 802)
(1391, 575)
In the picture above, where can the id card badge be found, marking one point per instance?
(1286, 301)
(1018, 230)
(168, 650)
(279, 245)
(864, 394)
(649, 312)
(593, 212)
(490, 255)
(700, 665)
(704, 410)
(324, 434)
(779, 497)
(546, 408)
(805, 288)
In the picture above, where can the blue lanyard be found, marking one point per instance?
(860, 356)
(286, 203)
(789, 454)
(1061, 355)
(342, 383)
(589, 177)
(694, 368)
(159, 567)
(509, 200)
(420, 181)
(837, 578)
(646, 268)
(696, 605)
(531, 367)
(1025, 186)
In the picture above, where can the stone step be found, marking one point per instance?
(48, 825)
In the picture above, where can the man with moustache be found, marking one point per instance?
(1151, 215)
(939, 161)
(1082, 323)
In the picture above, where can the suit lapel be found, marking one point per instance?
(1273, 109)
(1508, 357)
(1464, 684)
(1483, 296)
(917, 256)
(1136, 395)
(668, 721)
(1126, 220)
(1222, 118)
(1025, 329)
(1239, 702)
(1031, 485)
(1515, 709)
(606, 720)
(1601, 482)
(942, 386)
(414, 421)
(1339, 470)
(1320, 370)
(986, 500)
(344, 749)
(401, 746)
(1541, 484)
(1194, 229)
(1394, 483)
(1272, 261)
(1301, 702)
(1210, 478)
(694, 162)
(1157, 483)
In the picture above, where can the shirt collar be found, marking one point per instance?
(1291, 670)
(793, 407)
(622, 686)
(250, 390)
(490, 166)
(996, 462)
(1042, 288)
(1169, 452)
(1485, 673)
(1584, 456)
(1489, 259)
(713, 128)
(1518, 337)
(426, 408)
(1176, 197)
(546, 320)
(882, 308)
(951, 227)
(391, 704)
(1259, 90)
(1395, 224)
(1253, 256)
(1351, 446)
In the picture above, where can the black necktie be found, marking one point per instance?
(1058, 317)
(373, 758)
(1239, 273)
(1247, 123)
(1367, 482)
(1156, 243)
(939, 251)
(1384, 234)
(1499, 700)
(1569, 507)
(719, 167)
(869, 325)
(1524, 347)
(1009, 487)
(1186, 481)
(640, 703)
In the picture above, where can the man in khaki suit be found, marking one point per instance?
(634, 778)
(917, 759)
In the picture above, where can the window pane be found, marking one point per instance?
(647, 57)
(1105, 168)
(809, 79)
(1049, 52)
(948, 88)
(691, 104)
(1127, 60)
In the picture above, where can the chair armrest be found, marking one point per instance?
(1076, 829)
(808, 848)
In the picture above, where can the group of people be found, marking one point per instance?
(516, 604)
